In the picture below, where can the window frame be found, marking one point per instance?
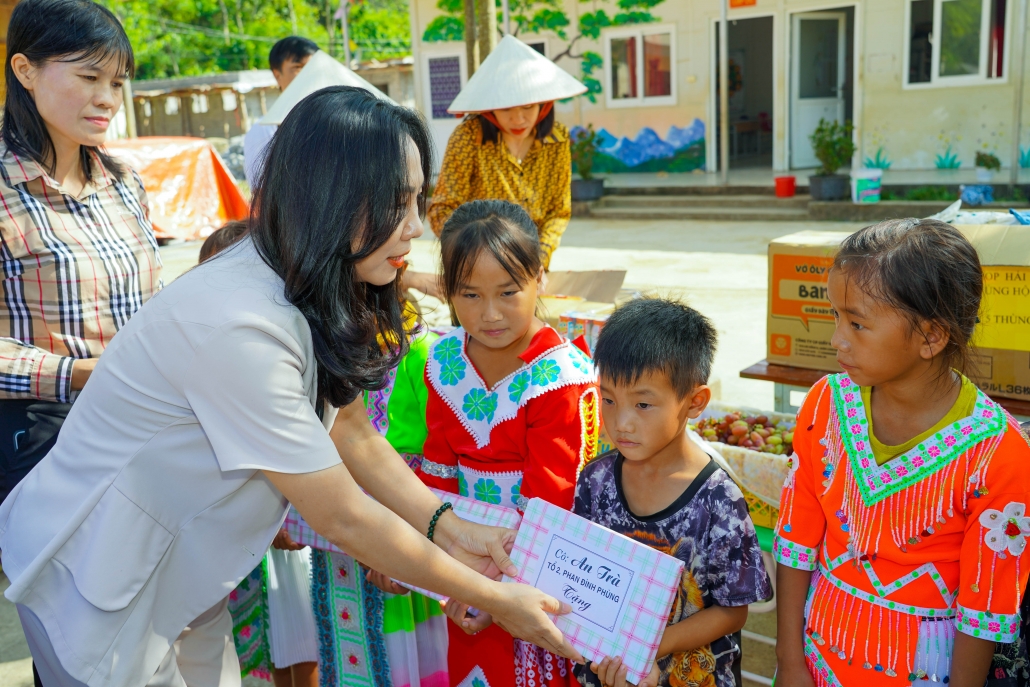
(938, 81)
(639, 31)
(538, 41)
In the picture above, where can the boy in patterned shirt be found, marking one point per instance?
(661, 487)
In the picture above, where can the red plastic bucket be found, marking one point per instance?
(785, 187)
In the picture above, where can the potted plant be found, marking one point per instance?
(834, 148)
(584, 147)
(986, 165)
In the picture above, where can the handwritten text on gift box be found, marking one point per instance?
(594, 586)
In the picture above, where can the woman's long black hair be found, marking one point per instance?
(334, 188)
(64, 31)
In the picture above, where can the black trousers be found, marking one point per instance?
(28, 430)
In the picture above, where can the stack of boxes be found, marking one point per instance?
(800, 321)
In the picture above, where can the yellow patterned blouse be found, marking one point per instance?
(542, 184)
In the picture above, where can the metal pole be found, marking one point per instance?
(130, 110)
(1017, 117)
(507, 17)
(724, 95)
(345, 27)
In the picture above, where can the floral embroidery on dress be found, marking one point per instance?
(793, 462)
(452, 371)
(545, 372)
(518, 386)
(498, 488)
(1006, 529)
(516, 494)
(582, 362)
(447, 349)
(487, 491)
(479, 405)
(479, 408)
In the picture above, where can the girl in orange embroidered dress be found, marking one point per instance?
(903, 524)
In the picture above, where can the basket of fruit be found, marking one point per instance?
(756, 446)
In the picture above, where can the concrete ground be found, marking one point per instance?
(765, 175)
(717, 267)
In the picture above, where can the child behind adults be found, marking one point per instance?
(292, 637)
(661, 487)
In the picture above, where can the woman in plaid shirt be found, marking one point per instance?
(76, 246)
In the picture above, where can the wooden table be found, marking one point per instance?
(789, 379)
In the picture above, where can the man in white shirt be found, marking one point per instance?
(286, 58)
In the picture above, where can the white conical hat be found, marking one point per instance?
(320, 71)
(514, 74)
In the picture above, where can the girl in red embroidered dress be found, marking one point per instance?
(901, 544)
(512, 413)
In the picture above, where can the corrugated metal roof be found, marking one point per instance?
(242, 81)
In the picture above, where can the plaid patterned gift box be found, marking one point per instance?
(468, 509)
(642, 612)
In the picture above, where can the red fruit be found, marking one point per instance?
(757, 439)
(733, 440)
(762, 419)
(747, 443)
(764, 432)
(739, 428)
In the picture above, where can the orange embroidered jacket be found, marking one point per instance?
(908, 553)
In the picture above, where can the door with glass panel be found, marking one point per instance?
(817, 79)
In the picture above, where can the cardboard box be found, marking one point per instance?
(584, 322)
(800, 322)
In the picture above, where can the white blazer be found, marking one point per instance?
(151, 507)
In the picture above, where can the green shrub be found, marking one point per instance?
(987, 160)
(584, 148)
(833, 146)
(930, 193)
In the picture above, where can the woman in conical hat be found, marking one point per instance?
(509, 147)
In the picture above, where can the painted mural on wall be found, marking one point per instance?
(682, 150)
(540, 16)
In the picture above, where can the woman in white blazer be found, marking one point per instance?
(209, 413)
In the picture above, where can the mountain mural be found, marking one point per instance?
(682, 150)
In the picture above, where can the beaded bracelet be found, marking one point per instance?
(436, 516)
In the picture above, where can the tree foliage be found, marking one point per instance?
(540, 16)
(189, 37)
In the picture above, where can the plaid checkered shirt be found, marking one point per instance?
(75, 269)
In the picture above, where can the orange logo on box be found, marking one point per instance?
(799, 288)
(779, 344)
(742, 3)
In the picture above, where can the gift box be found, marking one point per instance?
(585, 323)
(621, 591)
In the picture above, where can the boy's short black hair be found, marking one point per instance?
(294, 48)
(657, 335)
